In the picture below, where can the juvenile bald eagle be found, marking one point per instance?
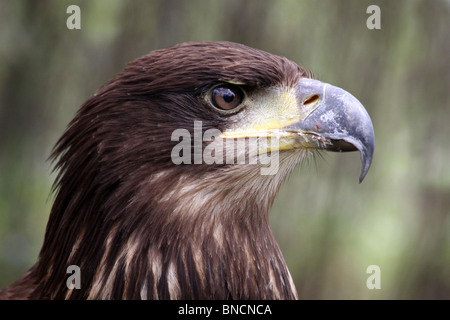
(140, 225)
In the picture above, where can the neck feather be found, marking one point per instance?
(171, 236)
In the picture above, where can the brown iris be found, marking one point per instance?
(227, 97)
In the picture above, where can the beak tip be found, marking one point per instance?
(366, 160)
(363, 175)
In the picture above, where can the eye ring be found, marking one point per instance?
(226, 97)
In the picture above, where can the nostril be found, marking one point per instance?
(311, 99)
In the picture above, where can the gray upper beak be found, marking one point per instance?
(335, 114)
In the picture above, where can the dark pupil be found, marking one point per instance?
(228, 96)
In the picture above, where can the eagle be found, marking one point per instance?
(149, 204)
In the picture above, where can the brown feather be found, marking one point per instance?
(140, 227)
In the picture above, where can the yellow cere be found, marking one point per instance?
(266, 114)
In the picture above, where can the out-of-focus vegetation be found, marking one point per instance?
(330, 228)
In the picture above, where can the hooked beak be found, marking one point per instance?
(338, 117)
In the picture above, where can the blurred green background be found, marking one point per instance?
(329, 227)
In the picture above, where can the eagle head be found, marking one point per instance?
(167, 173)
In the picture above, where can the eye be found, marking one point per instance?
(227, 97)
